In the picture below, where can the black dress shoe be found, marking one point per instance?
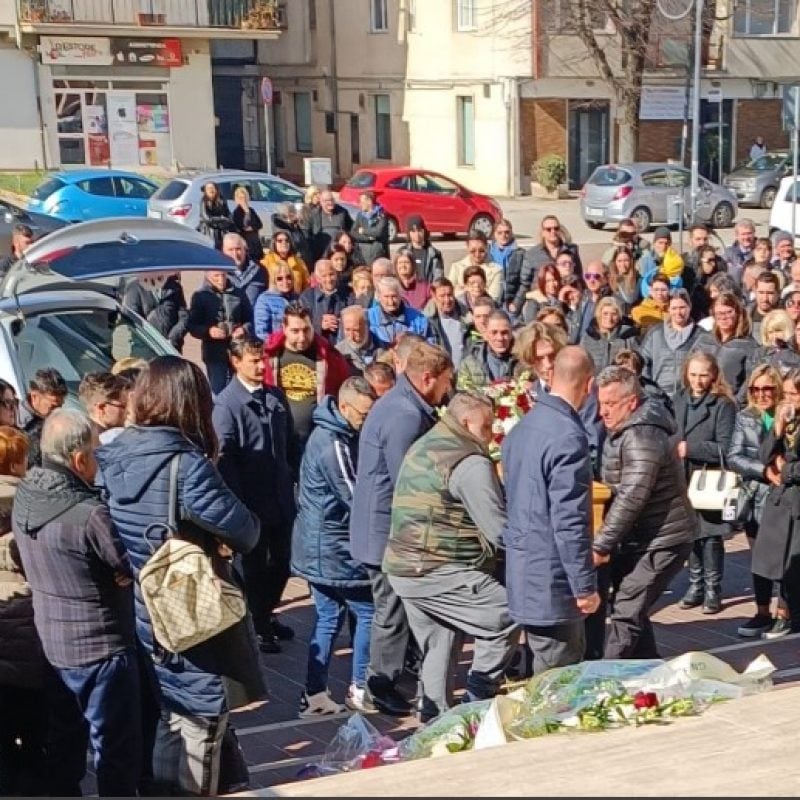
(280, 631)
(712, 604)
(389, 701)
(267, 643)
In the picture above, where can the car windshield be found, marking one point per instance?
(766, 163)
(46, 188)
(171, 191)
(82, 340)
(609, 176)
(362, 179)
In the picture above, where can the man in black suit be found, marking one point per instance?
(256, 459)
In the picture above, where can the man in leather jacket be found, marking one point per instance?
(648, 529)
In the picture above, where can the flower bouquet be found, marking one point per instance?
(512, 400)
(451, 732)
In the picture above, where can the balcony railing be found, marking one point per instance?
(673, 52)
(256, 15)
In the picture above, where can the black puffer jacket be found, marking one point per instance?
(649, 509)
(743, 458)
(167, 313)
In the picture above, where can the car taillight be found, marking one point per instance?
(180, 211)
(622, 193)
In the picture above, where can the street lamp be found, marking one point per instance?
(698, 45)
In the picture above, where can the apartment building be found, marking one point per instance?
(126, 83)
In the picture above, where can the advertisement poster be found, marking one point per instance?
(79, 50)
(97, 125)
(152, 118)
(122, 132)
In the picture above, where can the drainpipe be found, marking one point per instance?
(39, 113)
(334, 82)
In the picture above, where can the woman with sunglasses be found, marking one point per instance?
(282, 253)
(705, 413)
(776, 551)
(270, 305)
(709, 264)
(753, 423)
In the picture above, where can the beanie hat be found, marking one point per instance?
(416, 223)
(662, 232)
(781, 236)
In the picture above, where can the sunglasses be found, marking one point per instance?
(593, 276)
(551, 228)
(763, 389)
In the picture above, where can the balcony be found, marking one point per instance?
(672, 52)
(219, 19)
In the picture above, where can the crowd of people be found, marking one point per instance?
(342, 433)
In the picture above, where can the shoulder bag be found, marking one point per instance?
(709, 488)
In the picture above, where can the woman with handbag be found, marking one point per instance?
(764, 393)
(199, 686)
(776, 553)
(705, 412)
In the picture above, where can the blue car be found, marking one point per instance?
(88, 194)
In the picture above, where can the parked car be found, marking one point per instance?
(60, 305)
(89, 194)
(179, 199)
(444, 205)
(780, 215)
(12, 215)
(646, 192)
(756, 182)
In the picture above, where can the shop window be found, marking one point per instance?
(764, 17)
(303, 139)
(465, 108)
(383, 127)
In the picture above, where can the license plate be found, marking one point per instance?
(594, 212)
(154, 214)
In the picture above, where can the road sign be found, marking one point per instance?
(266, 91)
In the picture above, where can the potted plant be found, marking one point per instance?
(548, 177)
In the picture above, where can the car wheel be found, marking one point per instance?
(768, 197)
(393, 227)
(484, 224)
(595, 226)
(722, 216)
(642, 218)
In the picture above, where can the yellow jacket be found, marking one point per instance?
(272, 261)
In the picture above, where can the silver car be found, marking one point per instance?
(756, 182)
(179, 199)
(652, 193)
(60, 305)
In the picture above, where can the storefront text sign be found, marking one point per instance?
(89, 50)
(147, 52)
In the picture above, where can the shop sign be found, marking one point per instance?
(89, 50)
(147, 52)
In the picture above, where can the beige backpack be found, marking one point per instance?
(187, 601)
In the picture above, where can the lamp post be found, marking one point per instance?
(698, 45)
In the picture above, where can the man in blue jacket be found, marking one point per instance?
(549, 572)
(395, 423)
(391, 316)
(257, 460)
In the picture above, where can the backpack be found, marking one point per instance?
(188, 602)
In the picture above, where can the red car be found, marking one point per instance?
(444, 205)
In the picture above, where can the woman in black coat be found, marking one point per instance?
(776, 554)
(753, 424)
(215, 217)
(705, 412)
(248, 224)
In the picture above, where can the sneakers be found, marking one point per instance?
(779, 628)
(755, 626)
(320, 704)
(357, 700)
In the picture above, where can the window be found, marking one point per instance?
(465, 108)
(102, 187)
(656, 178)
(133, 188)
(383, 127)
(465, 15)
(763, 17)
(435, 184)
(609, 176)
(405, 183)
(276, 192)
(378, 16)
(171, 191)
(312, 15)
(46, 188)
(303, 142)
(362, 179)
(412, 16)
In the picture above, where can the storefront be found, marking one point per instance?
(107, 100)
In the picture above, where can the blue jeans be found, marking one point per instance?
(108, 696)
(331, 604)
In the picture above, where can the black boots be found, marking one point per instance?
(706, 563)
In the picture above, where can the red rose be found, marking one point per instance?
(503, 412)
(645, 700)
(523, 403)
(371, 759)
(498, 438)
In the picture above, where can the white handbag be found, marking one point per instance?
(710, 488)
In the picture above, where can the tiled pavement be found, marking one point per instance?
(277, 745)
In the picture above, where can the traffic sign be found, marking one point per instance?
(266, 91)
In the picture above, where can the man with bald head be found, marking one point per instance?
(550, 576)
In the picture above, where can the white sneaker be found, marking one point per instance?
(356, 700)
(320, 704)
